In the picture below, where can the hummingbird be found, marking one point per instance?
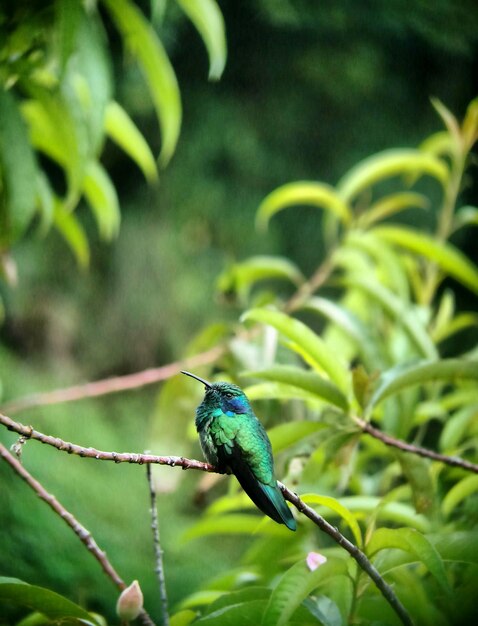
(233, 439)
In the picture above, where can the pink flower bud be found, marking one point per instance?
(130, 602)
(314, 560)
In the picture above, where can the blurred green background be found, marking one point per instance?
(309, 89)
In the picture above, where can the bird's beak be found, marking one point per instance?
(201, 380)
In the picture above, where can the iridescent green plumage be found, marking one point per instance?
(232, 438)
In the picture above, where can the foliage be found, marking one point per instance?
(383, 340)
(57, 110)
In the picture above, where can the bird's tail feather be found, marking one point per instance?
(268, 498)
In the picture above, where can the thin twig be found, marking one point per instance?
(158, 552)
(184, 463)
(113, 385)
(352, 549)
(80, 531)
(454, 461)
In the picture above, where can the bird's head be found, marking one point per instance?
(225, 396)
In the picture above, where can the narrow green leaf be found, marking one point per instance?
(392, 204)
(466, 487)
(404, 315)
(182, 618)
(51, 604)
(470, 124)
(18, 172)
(396, 512)
(309, 381)
(466, 216)
(405, 376)
(337, 507)
(456, 426)
(391, 271)
(124, 132)
(201, 598)
(304, 341)
(294, 587)
(399, 162)
(460, 322)
(447, 257)
(239, 597)
(101, 196)
(414, 542)
(438, 144)
(349, 323)
(67, 21)
(279, 391)
(234, 524)
(207, 18)
(285, 435)
(72, 231)
(143, 43)
(245, 613)
(240, 277)
(302, 193)
(450, 122)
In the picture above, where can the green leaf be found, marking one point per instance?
(143, 43)
(459, 492)
(414, 542)
(239, 597)
(447, 257)
(294, 587)
(404, 315)
(67, 21)
(396, 512)
(308, 381)
(405, 376)
(18, 172)
(54, 131)
(466, 216)
(285, 435)
(450, 122)
(242, 276)
(201, 598)
(351, 325)
(246, 614)
(51, 604)
(337, 507)
(399, 162)
(101, 196)
(470, 124)
(279, 391)
(302, 193)
(207, 18)
(124, 132)
(392, 204)
(390, 267)
(438, 144)
(234, 524)
(459, 322)
(182, 618)
(305, 342)
(71, 230)
(456, 426)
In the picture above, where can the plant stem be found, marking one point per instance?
(158, 552)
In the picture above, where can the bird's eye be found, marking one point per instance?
(228, 394)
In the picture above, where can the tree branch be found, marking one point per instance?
(80, 531)
(128, 457)
(352, 549)
(114, 385)
(455, 461)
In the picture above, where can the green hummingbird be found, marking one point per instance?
(232, 438)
